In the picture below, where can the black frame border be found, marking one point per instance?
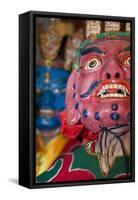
(27, 98)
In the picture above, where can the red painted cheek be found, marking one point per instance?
(88, 77)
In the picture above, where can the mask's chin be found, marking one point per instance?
(105, 112)
(115, 100)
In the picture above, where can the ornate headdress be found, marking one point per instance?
(94, 32)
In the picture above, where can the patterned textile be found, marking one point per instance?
(78, 165)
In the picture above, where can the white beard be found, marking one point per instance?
(109, 146)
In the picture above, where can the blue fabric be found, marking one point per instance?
(52, 95)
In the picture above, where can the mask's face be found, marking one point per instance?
(102, 87)
(50, 101)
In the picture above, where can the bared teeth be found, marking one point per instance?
(110, 86)
(106, 86)
(122, 91)
(115, 85)
(112, 95)
(120, 86)
(103, 88)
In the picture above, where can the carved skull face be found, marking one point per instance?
(50, 42)
(72, 47)
(99, 93)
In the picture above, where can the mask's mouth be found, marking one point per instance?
(113, 90)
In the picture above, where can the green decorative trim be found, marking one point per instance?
(47, 175)
(102, 35)
(121, 165)
(85, 161)
(91, 162)
(75, 64)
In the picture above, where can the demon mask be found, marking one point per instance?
(98, 89)
(98, 93)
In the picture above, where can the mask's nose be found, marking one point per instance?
(112, 70)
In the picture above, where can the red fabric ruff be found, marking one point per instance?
(89, 136)
(69, 131)
(73, 131)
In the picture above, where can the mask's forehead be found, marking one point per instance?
(111, 45)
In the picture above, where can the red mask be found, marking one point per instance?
(98, 94)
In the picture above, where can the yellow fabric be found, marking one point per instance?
(46, 154)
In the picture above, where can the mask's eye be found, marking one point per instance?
(127, 62)
(94, 62)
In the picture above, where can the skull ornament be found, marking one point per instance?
(50, 42)
(98, 90)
